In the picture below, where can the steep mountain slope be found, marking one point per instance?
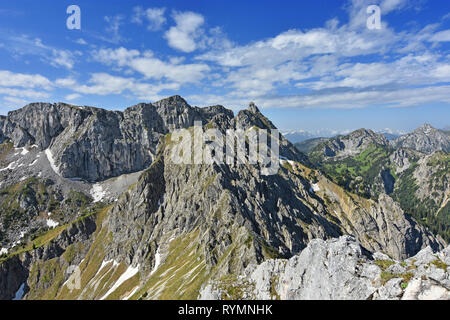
(365, 164)
(176, 226)
(52, 155)
(423, 190)
(355, 161)
(425, 139)
(309, 145)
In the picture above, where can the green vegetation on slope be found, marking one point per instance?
(357, 174)
(362, 175)
(426, 211)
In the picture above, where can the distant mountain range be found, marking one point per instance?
(413, 168)
(295, 136)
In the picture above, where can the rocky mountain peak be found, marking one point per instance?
(426, 139)
(173, 101)
(426, 129)
(351, 144)
(253, 108)
(368, 135)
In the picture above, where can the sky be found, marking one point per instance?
(308, 65)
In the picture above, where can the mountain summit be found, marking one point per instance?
(426, 139)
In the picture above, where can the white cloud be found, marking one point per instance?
(328, 58)
(120, 56)
(17, 102)
(154, 16)
(73, 96)
(391, 5)
(18, 88)
(442, 36)
(24, 93)
(113, 28)
(24, 45)
(81, 41)
(344, 99)
(62, 58)
(65, 82)
(185, 34)
(106, 84)
(339, 65)
(10, 79)
(151, 67)
(428, 70)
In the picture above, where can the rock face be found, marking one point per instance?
(425, 139)
(309, 145)
(96, 144)
(21, 270)
(341, 269)
(351, 144)
(366, 165)
(402, 160)
(432, 176)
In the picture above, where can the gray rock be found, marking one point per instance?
(425, 139)
(396, 269)
(419, 289)
(391, 290)
(436, 274)
(424, 256)
(381, 256)
(338, 269)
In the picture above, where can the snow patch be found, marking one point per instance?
(24, 151)
(11, 166)
(52, 224)
(50, 158)
(3, 251)
(128, 274)
(315, 187)
(284, 159)
(33, 163)
(97, 192)
(104, 263)
(157, 261)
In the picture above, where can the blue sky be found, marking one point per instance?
(308, 65)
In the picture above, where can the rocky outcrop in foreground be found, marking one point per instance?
(339, 269)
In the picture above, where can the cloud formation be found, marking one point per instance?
(185, 34)
(155, 17)
(341, 64)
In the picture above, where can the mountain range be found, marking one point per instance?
(297, 136)
(93, 207)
